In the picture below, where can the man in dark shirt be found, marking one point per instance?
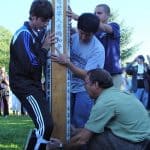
(109, 35)
(139, 71)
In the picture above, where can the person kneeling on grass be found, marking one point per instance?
(117, 119)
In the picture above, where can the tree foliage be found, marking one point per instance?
(5, 37)
(127, 49)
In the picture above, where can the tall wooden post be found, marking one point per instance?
(60, 83)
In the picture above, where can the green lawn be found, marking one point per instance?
(14, 131)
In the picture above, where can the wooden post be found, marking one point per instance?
(60, 74)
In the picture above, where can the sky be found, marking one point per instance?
(134, 14)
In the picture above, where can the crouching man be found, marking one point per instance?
(117, 120)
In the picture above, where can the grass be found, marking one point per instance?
(14, 131)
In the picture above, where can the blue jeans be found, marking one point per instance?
(81, 105)
(142, 95)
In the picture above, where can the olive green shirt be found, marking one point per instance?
(122, 113)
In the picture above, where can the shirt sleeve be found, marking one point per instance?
(116, 29)
(101, 114)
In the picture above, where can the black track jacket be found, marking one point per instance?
(26, 60)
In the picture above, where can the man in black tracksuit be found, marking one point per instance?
(27, 58)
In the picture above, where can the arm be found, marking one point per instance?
(129, 68)
(82, 137)
(72, 15)
(26, 53)
(105, 27)
(79, 139)
(47, 43)
(102, 26)
(112, 30)
(79, 72)
(64, 60)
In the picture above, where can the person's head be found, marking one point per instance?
(102, 11)
(2, 70)
(140, 59)
(2, 73)
(88, 25)
(41, 12)
(96, 80)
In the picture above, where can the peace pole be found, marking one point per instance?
(60, 82)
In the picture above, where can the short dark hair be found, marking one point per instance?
(101, 76)
(105, 7)
(141, 57)
(41, 8)
(88, 22)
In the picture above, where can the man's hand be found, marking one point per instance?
(54, 144)
(82, 137)
(72, 15)
(61, 59)
(49, 40)
(74, 130)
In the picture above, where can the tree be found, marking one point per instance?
(5, 37)
(127, 49)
